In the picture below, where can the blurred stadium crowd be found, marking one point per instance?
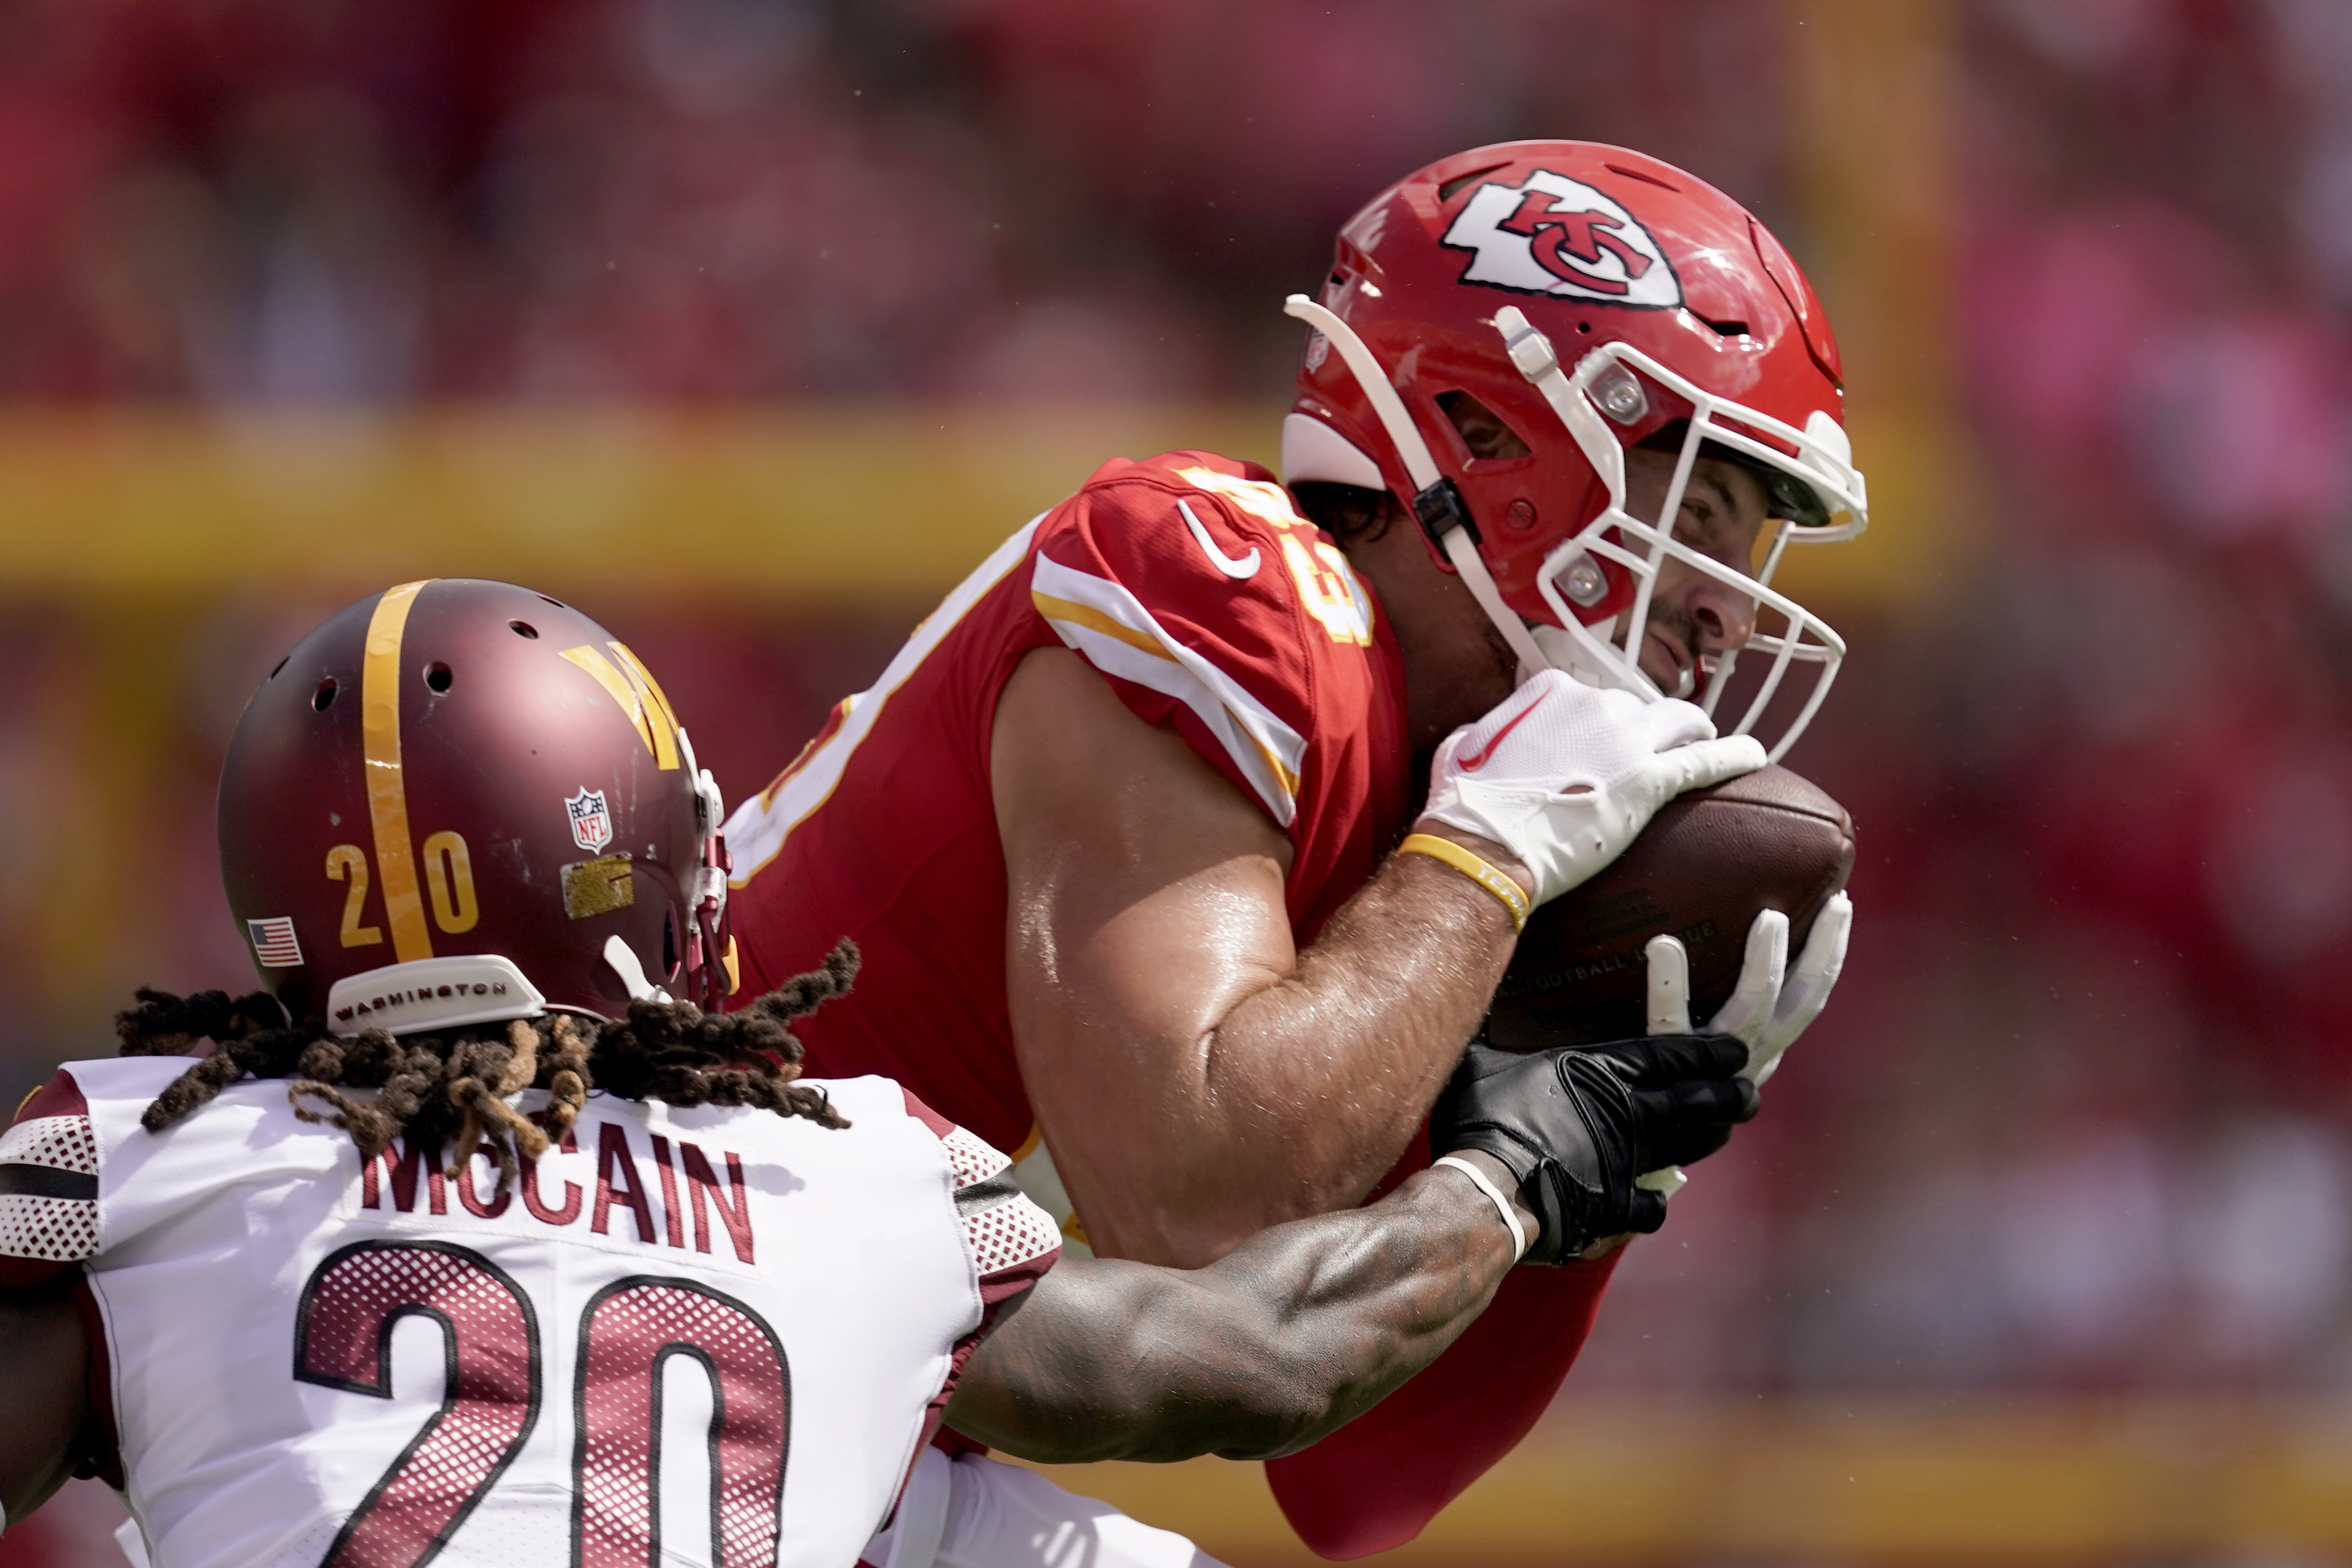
(751, 198)
(2088, 1105)
(2080, 1118)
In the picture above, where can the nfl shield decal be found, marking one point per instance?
(592, 824)
(1552, 234)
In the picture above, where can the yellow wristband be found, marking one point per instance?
(1514, 898)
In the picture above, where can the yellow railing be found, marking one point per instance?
(815, 502)
(1938, 1482)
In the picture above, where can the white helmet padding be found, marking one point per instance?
(1314, 453)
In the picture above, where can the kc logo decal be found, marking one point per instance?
(1552, 234)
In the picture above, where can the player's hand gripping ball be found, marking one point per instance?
(1710, 864)
(1564, 775)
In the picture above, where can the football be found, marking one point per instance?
(1709, 862)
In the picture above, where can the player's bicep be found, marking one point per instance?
(44, 1413)
(1145, 902)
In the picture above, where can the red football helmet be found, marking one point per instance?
(458, 801)
(1590, 298)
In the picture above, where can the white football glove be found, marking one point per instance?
(1773, 1002)
(1768, 1009)
(1564, 774)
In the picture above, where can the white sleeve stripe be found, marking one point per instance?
(61, 1143)
(760, 823)
(1262, 768)
(1269, 753)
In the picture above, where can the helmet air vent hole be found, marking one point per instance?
(276, 668)
(1727, 329)
(1585, 327)
(436, 675)
(1619, 395)
(1645, 179)
(523, 629)
(324, 697)
(670, 944)
(1584, 583)
(1445, 192)
(1481, 428)
(557, 603)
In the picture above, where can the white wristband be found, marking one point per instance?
(1502, 1204)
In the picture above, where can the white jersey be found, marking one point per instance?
(694, 1336)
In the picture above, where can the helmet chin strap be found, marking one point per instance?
(1471, 567)
(710, 974)
(1434, 497)
(1581, 658)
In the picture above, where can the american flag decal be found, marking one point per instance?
(274, 943)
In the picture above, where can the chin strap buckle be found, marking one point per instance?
(711, 969)
(1442, 510)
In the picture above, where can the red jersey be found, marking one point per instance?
(1193, 586)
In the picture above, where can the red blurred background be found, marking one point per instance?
(2044, 1247)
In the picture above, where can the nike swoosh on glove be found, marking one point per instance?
(1565, 775)
(1578, 1124)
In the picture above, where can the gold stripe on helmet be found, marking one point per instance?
(404, 906)
(653, 723)
(657, 703)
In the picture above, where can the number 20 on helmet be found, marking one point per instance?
(1592, 300)
(459, 801)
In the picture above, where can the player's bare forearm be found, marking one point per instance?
(1343, 1057)
(44, 1400)
(1288, 1336)
(1197, 1075)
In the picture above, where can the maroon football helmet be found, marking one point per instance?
(459, 801)
(1593, 298)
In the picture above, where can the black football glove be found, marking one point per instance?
(1578, 1123)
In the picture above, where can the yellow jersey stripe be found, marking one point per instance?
(1114, 630)
(1094, 620)
(1289, 779)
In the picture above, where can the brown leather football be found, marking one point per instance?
(1709, 862)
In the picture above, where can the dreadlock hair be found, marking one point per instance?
(453, 1085)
